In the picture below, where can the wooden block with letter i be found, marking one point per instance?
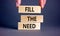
(29, 9)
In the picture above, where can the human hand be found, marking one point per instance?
(41, 3)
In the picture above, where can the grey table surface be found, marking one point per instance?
(49, 31)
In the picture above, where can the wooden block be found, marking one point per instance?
(32, 18)
(29, 9)
(28, 26)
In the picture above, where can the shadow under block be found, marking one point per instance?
(32, 18)
(29, 9)
(28, 26)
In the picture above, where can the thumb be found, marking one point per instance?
(18, 2)
(42, 3)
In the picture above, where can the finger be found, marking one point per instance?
(18, 2)
(42, 3)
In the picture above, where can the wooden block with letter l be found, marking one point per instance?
(32, 18)
(28, 26)
(29, 9)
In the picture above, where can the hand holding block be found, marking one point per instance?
(29, 9)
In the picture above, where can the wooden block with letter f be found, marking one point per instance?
(29, 9)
